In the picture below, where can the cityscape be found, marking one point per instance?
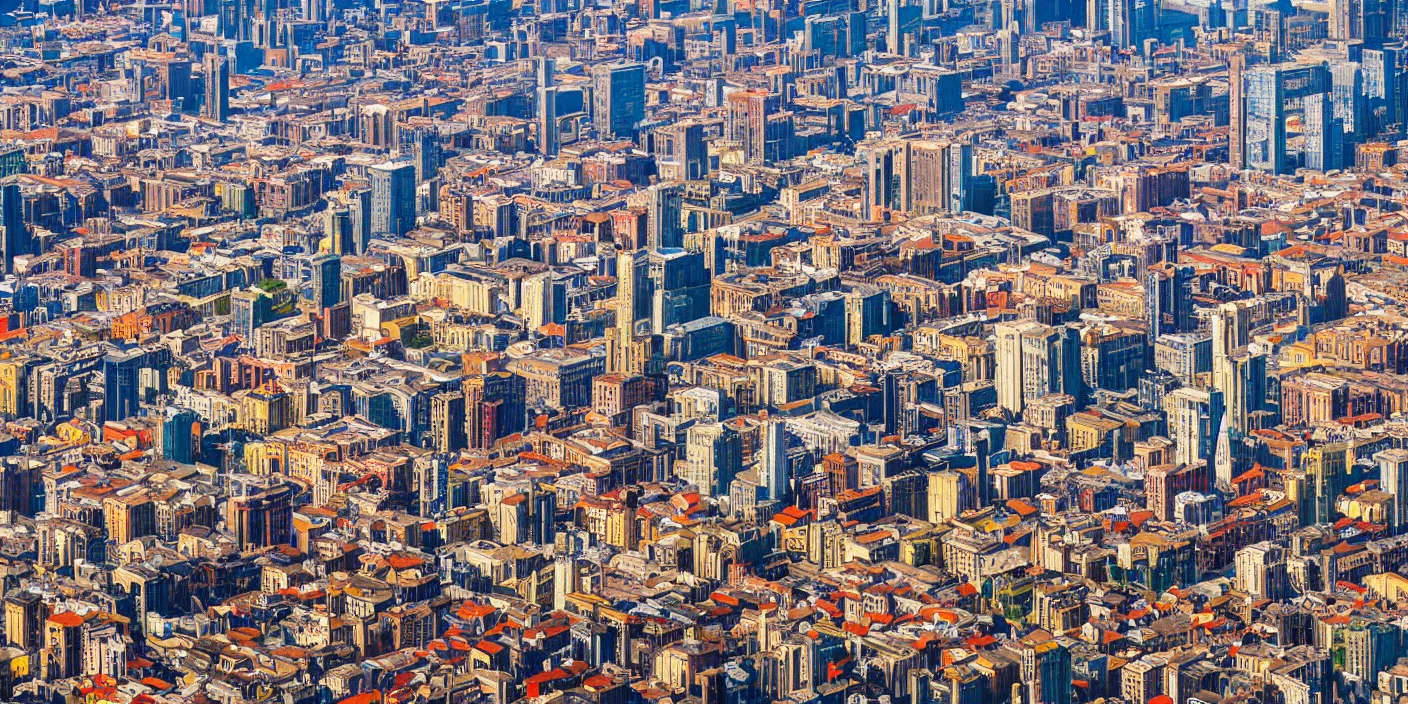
(687, 352)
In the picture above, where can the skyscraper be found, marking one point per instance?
(618, 99)
(337, 227)
(893, 42)
(1268, 89)
(547, 105)
(622, 337)
(1194, 417)
(713, 457)
(1168, 304)
(393, 198)
(217, 87)
(15, 240)
(1236, 112)
(1323, 134)
(123, 379)
(773, 467)
(420, 144)
(1393, 478)
(327, 280)
(180, 436)
(662, 222)
(359, 205)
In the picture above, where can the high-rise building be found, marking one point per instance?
(15, 239)
(1268, 88)
(680, 152)
(259, 512)
(337, 227)
(1261, 571)
(217, 87)
(664, 229)
(327, 280)
(1236, 111)
(180, 436)
(1393, 478)
(752, 120)
(893, 42)
(421, 145)
(1329, 471)
(1371, 647)
(24, 619)
(1322, 133)
(1034, 360)
(1131, 22)
(359, 207)
(393, 198)
(1383, 70)
(1194, 417)
(618, 99)
(124, 374)
(631, 279)
(713, 457)
(887, 179)
(176, 84)
(773, 466)
(447, 421)
(540, 301)
(1168, 302)
(679, 288)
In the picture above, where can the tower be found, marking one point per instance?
(14, 240)
(217, 87)
(393, 198)
(1237, 112)
(327, 280)
(774, 460)
(662, 222)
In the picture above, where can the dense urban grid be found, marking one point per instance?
(683, 352)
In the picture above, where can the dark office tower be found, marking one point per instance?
(618, 99)
(856, 28)
(1236, 112)
(662, 219)
(547, 121)
(421, 144)
(217, 87)
(393, 198)
(176, 82)
(260, 512)
(679, 288)
(337, 227)
(16, 240)
(1168, 303)
(1097, 15)
(359, 205)
(447, 421)
(1131, 22)
(122, 379)
(890, 399)
(327, 280)
(180, 436)
(680, 152)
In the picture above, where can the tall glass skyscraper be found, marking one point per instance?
(393, 198)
